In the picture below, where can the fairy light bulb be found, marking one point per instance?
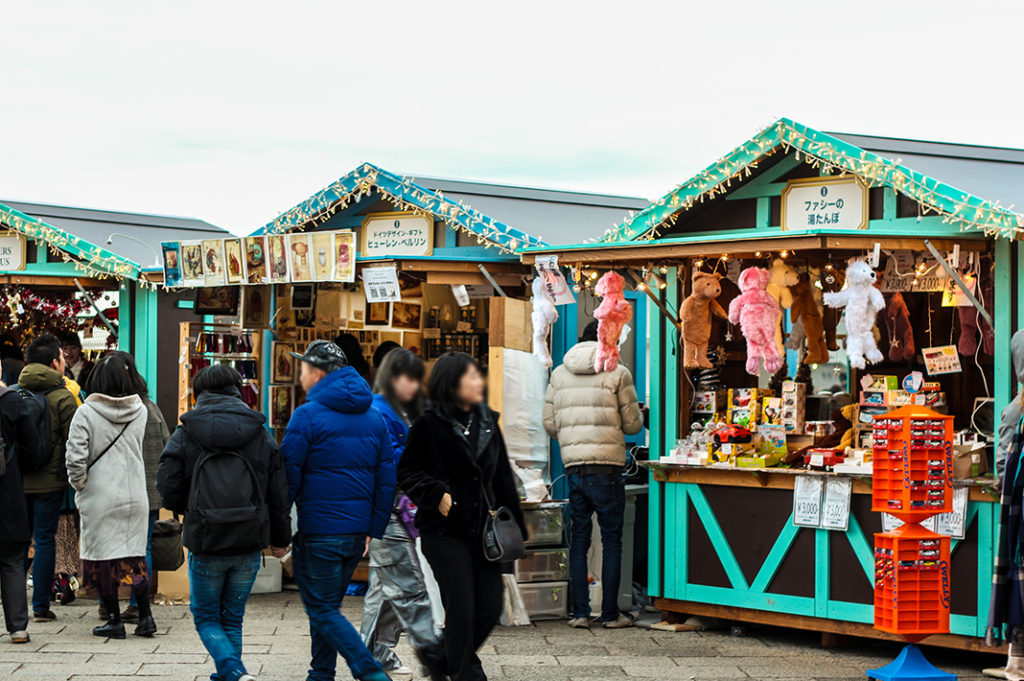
(699, 264)
(757, 254)
(663, 269)
(784, 254)
(593, 274)
(725, 257)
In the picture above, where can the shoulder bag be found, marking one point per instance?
(107, 448)
(503, 540)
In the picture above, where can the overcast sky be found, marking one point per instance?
(234, 112)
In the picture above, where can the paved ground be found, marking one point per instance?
(277, 644)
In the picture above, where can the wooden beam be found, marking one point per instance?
(457, 266)
(902, 243)
(647, 251)
(470, 279)
(39, 280)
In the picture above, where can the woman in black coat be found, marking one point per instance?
(454, 453)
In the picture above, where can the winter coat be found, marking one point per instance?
(153, 444)
(111, 495)
(15, 429)
(1012, 412)
(438, 460)
(225, 422)
(53, 476)
(339, 459)
(589, 412)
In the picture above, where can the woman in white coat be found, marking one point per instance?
(106, 468)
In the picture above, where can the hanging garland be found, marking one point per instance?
(24, 314)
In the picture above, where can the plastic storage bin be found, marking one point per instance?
(546, 600)
(547, 565)
(544, 526)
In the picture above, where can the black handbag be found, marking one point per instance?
(167, 550)
(503, 540)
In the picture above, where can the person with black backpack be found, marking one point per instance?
(49, 408)
(223, 470)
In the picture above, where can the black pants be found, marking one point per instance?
(12, 585)
(472, 591)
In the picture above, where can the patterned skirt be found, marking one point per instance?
(104, 575)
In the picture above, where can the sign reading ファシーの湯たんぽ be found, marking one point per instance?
(825, 202)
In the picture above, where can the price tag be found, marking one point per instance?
(432, 333)
(462, 327)
(461, 294)
(876, 254)
(817, 459)
(890, 522)
(624, 334)
(954, 523)
(836, 511)
(866, 381)
(807, 491)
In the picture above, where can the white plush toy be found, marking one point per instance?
(543, 316)
(783, 276)
(863, 302)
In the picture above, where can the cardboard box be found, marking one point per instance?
(758, 461)
(794, 399)
(873, 398)
(771, 440)
(884, 383)
(771, 410)
(709, 402)
(898, 398)
(745, 406)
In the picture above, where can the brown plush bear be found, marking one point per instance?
(806, 312)
(695, 314)
(832, 280)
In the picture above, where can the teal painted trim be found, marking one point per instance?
(964, 625)
(781, 168)
(795, 605)
(851, 612)
(185, 304)
(638, 300)
(822, 561)
(757, 191)
(50, 269)
(125, 301)
(780, 549)
(671, 367)
(660, 517)
(451, 238)
(1004, 382)
(764, 213)
(718, 540)
(985, 516)
(147, 332)
(888, 203)
(462, 254)
(862, 549)
(677, 510)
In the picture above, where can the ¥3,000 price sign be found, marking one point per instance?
(807, 500)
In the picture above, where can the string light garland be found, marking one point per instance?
(834, 156)
(405, 195)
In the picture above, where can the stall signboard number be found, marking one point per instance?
(832, 202)
(12, 252)
(397, 235)
(835, 513)
(554, 281)
(807, 492)
(943, 359)
(461, 294)
(381, 284)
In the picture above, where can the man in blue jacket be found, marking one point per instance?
(341, 475)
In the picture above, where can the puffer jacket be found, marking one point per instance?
(52, 477)
(1010, 416)
(339, 459)
(591, 412)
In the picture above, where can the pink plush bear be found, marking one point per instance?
(612, 315)
(757, 313)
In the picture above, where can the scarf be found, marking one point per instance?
(1006, 609)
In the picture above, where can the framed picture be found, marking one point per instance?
(413, 341)
(405, 315)
(300, 257)
(172, 267)
(255, 260)
(304, 317)
(217, 300)
(345, 256)
(234, 263)
(323, 256)
(302, 297)
(284, 364)
(213, 263)
(377, 314)
(277, 259)
(192, 263)
(280, 405)
(256, 307)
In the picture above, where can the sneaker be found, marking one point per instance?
(130, 614)
(579, 623)
(44, 616)
(246, 677)
(623, 621)
(20, 637)
(401, 671)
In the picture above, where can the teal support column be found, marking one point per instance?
(1004, 383)
(564, 334)
(146, 327)
(125, 297)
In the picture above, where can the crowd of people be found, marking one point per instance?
(398, 473)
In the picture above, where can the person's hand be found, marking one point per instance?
(446, 504)
(366, 549)
(279, 551)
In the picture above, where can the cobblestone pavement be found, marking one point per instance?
(277, 649)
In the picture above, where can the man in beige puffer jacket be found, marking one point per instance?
(590, 413)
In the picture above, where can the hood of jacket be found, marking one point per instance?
(1017, 352)
(39, 377)
(117, 409)
(342, 390)
(580, 358)
(220, 419)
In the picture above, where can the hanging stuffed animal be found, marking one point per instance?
(782, 277)
(544, 314)
(695, 314)
(805, 312)
(611, 315)
(757, 313)
(831, 281)
(973, 324)
(863, 302)
(897, 326)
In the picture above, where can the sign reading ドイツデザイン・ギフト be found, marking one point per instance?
(12, 252)
(397, 234)
(833, 202)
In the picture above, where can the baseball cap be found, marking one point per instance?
(323, 355)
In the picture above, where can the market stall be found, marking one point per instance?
(753, 416)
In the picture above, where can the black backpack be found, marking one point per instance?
(36, 410)
(226, 514)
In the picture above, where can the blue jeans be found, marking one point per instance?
(323, 565)
(604, 495)
(43, 515)
(149, 552)
(220, 587)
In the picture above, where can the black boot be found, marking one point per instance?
(114, 628)
(146, 626)
(434, 660)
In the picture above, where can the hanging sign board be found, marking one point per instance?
(835, 513)
(461, 295)
(397, 234)
(954, 523)
(903, 268)
(554, 281)
(833, 202)
(943, 359)
(12, 252)
(807, 501)
(381, 284)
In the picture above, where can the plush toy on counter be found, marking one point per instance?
(757, 313)
(782, 277)
(806, 313)
(897, 325)
(863, 302)
(831, 281)
(613, 313)
(695, 314)
(543, 315)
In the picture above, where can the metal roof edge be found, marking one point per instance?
(532, 193)
(112, 216)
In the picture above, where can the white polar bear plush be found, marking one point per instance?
(543, 316)
(863, 302)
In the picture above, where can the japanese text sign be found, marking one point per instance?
(833, 202)
(397, 234)
(554, 281)
(381, 284)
